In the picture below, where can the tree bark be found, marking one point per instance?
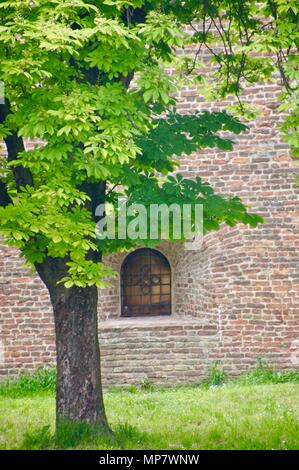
(79, 392)
(79, 395)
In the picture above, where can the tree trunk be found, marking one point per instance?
(79, 391)
(78, 394)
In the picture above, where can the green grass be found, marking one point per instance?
(231, 416)
(43, 380)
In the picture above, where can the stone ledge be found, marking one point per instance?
(159, 322)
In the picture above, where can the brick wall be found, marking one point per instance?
(235, 300)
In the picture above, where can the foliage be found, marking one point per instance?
(42, 380)
(263, 374)
(258, 41)
(230, 417)
(146, 384)
(216, 376)
(88, 78)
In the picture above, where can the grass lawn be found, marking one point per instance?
(231, 416)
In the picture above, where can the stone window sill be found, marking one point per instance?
(162, 322)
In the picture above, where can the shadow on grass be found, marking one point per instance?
(82, 435)
(39, 438)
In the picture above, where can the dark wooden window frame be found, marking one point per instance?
(145, 284)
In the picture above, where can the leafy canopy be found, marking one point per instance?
(89, 79)
(249, 41)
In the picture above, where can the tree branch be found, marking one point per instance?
(15, 145)
(4, 196)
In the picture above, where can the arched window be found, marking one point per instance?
(145, 284)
